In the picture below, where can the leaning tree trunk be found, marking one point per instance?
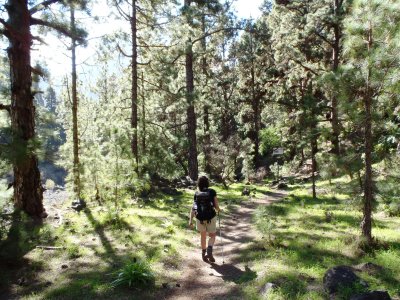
(28, 191)
(134, 87)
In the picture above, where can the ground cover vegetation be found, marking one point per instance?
(182, 89)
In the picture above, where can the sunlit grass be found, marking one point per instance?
(309, 236)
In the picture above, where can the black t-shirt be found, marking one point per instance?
(213, 194)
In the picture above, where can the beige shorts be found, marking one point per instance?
(209, 227)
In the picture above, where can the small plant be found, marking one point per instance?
(137, 274)
(73, 251)
(169, 227)
(328, 216)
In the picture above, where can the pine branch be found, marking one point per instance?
(58, 27)
(39, 39)
(218, 30)
(305, 67)
(4, 31)
(41, 6)
(5, 107)
(123, 52)
(123, 14)
(323, 38)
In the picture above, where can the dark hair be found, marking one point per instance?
(202, 183)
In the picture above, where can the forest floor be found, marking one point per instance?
(284, 238)
(202, 280)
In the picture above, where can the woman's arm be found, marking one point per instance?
(191, 215)
(216, 204)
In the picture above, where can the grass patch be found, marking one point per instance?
(303, 237)
(97, 243)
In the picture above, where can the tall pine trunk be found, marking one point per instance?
(190, 111)
(256, 120)
(366, 224)
(190, 114)
(134, 87)
(335, 65)
(28, 191)
(75, 133)
(206, 118)
(143, 118)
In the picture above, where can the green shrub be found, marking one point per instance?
(73, 251)
(137, 274)
(394, 209)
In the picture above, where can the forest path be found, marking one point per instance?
(201, 280)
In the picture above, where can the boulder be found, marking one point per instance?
(267, 288)
(282, 186)
(340, 277)
(374, 295)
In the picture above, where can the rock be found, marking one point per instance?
(267, 288)
(368, 267)
(282, 186)
(64, 266)
(340, 277)
(374, 295)
(246, 192)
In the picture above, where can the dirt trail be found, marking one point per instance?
(200, 280)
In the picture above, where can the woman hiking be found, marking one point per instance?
(205, 208)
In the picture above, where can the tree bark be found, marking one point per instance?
(191, 114)
(335, 65)
(256, 120)
(134, 87)
(143, 118)
(190, 111)
(75, 103)
(207, 137)
(314, 150)
(28, 191)
(366, 223)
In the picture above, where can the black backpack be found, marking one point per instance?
(205, 209)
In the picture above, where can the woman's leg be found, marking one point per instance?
(211, 240)
(203, 238)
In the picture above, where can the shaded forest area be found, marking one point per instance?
(304, 98)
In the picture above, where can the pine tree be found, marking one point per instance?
(28, 192)
(369, 78)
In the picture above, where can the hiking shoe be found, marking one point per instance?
(204, 255)
(209, 254)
